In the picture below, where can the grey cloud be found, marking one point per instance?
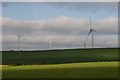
(61, 30)
(61, 25)
(28, 42)
(107, 26)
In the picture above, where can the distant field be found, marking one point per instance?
(72, 70)
(60, 56)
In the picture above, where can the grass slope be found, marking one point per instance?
(73, 70)
(60, 56)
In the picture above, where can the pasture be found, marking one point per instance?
(69, 63)
(59, 56)
(72, 70)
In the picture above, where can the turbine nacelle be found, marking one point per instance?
(92, 30)
(18, 36)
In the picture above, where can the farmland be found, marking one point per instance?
(69, 63)
(60, 56)
(72, 70)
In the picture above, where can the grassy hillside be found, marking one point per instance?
(74, 70)
(60, 56)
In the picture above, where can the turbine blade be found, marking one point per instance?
(90, 23)
(94, 30)
(88, 34)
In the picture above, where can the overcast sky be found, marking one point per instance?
(62, 22)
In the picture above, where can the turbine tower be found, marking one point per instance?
(91, 31)
(70, 45)
(19, 46)
(50, 44)
(84, 44)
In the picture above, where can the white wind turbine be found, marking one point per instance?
(91, 31)
(50, 44)
(19, 41)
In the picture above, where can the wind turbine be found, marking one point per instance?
(91, 31)
(70, 45)
(84, 44)
(50, 44)
(19, 46)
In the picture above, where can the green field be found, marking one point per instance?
(72, 70)
(73, 63)
(60, 56)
